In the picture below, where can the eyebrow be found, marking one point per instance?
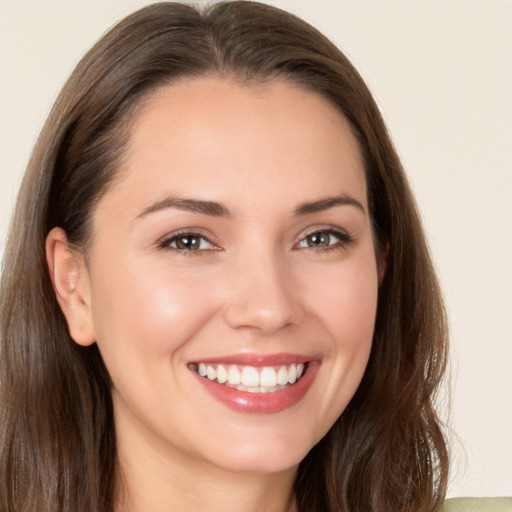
(211, 208)
(215, 209)
(326, 203)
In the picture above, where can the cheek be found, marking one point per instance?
(348, 303)
(347, 309)
(148, 309)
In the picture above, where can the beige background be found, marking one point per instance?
(442, 74)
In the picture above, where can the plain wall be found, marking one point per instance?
(442, 75)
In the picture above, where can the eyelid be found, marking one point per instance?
(344, 237)
(165, 241)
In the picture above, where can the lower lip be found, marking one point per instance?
(261, 403)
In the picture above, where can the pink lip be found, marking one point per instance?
(257, 360)
(261, 403)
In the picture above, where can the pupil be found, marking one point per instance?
(188, 242)
(320, 239)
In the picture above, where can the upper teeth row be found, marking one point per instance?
(251, 376)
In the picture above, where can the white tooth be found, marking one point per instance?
(268, 377)
(253, 390)
(250, 377)
(234, 376)
(300, 370)
(282, 376)
(222, 374)
(211, 373)
(202, 369)
(292, 374)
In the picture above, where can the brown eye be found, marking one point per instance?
(187, 242)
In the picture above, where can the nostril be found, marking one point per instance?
(263, 315)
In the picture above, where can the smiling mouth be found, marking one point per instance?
(265, 379)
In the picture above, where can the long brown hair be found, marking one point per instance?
(57, 443)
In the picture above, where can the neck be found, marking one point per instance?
(156, 478)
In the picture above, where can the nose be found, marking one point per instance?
(264, 297)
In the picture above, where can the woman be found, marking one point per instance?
(217, 293)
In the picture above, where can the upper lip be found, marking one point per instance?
(248, 359)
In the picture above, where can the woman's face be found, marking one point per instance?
(236, 242)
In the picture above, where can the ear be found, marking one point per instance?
(71, 282)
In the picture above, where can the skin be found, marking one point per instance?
(253, 286)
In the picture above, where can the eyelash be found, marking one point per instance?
(165, 243)
(344, 239)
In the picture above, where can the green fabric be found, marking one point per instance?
(478, 505)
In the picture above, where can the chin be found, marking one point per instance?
(267, 456)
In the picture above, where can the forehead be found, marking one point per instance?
(214, 135)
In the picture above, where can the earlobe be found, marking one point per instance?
(70, 279)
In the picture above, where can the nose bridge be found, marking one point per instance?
(264, 293)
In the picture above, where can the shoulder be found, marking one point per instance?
(478, 505)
